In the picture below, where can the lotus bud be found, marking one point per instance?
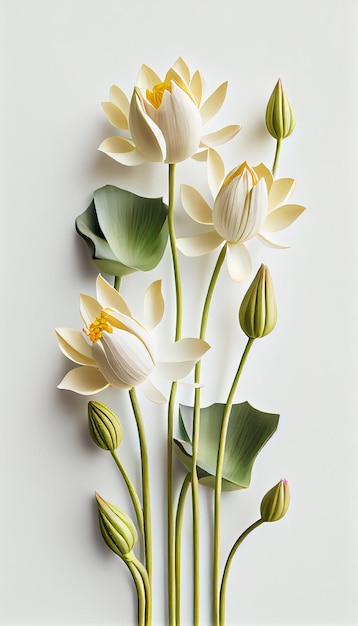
(258, 310)
(279, 117)
(104, 426)
(276, 502)
(117, 529)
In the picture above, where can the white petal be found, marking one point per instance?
(122, 151)
(188, 349)
(153, 304)
(146, 134)
(216, 171)
(84, 380)
(147, 78)
(131, 325)
(119, 98)
(195, 205)
(280, 191)
(238, 261)
(200, 244)
(123, 359)
(74, 345)
(90, 309)
(110, 298)
(152, 393)
(213, 103)
(270, 244)
(220, 136)
(115, 116)
(282, 217)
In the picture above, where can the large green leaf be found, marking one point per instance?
(248, 431)
(124, 232)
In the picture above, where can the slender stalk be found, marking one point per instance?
(147, 590)
(218, 480)
(145, 483)
(117, 282)
(178, 529)
(227, 568)
(195, 439)
(132, 492)
(140, 592)
(277, 156)
(171, 405)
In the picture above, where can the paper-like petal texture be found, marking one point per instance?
(216, 171)
(280, 191)
(282, 217)
(121, 150)
(152, 393)
(213, 103)
(110, 298)
(115, 116)
(179, 358)
(119, 98)
(146, 134)
(153, 305)
(220, 136)
(195, 205)
(84, 380)
(199, 244)
(238, 261)
(74, 345)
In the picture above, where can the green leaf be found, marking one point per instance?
(124, 232)
(248, 431)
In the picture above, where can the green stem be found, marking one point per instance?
(132, 492)
(117, 282)
(218, 480)
(147, 590)
(227, 568)
(277, 155)
(171, 405)
(195, 439)
(140, 592)
(178, 529)
(145, 483)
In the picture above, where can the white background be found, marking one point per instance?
(59, 60)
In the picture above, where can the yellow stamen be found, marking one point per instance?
(155, 96)
(240, 170)
(95, 330)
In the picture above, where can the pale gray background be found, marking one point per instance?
(58, 62)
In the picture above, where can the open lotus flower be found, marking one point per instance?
(164, 118)
(248, 203)
(116, 350)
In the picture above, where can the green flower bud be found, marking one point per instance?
(258, 310)
(276, 502)
(104, 426)
(117, 529)
(279, 117)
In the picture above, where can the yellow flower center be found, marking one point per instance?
(155, 97)
(240, 170)
(95, 330)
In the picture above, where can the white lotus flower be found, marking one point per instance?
(118, 351)
(248, 203)
(164, 118)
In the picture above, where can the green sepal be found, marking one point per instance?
(248, 431)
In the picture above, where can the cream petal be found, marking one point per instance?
(153, 305)
(201, 156)
(216, 171)
(147, 78)
(115, 116)
(181, 67)
(238, 261)
(199, 244)
(280, 191)
(220, 136)
(152, 393)
(270, 244)
(146, 134)
(263, 172)
(110, 298)
(195, 205)
(188, 349)
(119, 98)
(196, 87)
(74, 345)
(123, 359)
(132, 326)
(213, 103)
(282, 217)
(122, 151)
(84, 380)
(90, 309)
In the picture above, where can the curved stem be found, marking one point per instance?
(145, 483)
(117, 282)
(218, 480)
(178, 529)
(195, 437)
(277, 156)
(147, 590)
(140, 592)
(132, 492)
(227, 568)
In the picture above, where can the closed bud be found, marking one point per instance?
(279, 117)
(104, 426)
(117, 529)
(258, 310)
(276, 502)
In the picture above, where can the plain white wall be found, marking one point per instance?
(59, 60)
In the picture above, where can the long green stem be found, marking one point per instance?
(171, 406)
(195, 439)
(227, 568)
(147, 590)
(138, 580)
(218, 481)
(277, 156)
(178, 529)
(145, 483)
(132, 492)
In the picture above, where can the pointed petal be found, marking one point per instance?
(269, 243)
(263, 172)
(115, 116)
(220, 136)
(282, 217)
(200, 244)
(146, 135)
(216, 171)
(280, 191)
(213, 103)
(188, 349)
(152, 393)
(238, 261)
(153, 305)
(181, 67)
(201, 156)
(196, 87)
(147, 78)
(110, 298)
(74, 345)
(84, 380)
(119, 98)
(121, 150)
(90, 309)
(195, 205)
